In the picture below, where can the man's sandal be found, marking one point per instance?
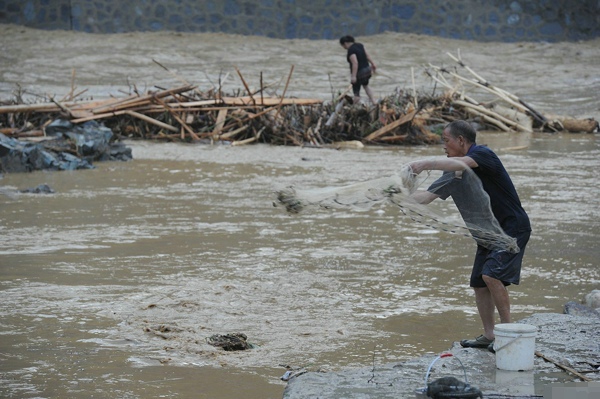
(479, 342)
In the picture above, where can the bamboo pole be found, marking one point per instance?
(477, 109)
(341, 96)
(401, 137)
(79, 93)
(232, 133)
(294, 140)
(250, 140)
(100, 116)
(503, 94)
(63, 108)
(87, 105)
(527, 108)
(72, 92)
(261, 88)
(442, 80)
(44, 107)
(152, 121)
(113, 102)
(485, 111)
(248, 101)
(182, 80)
(310, 135)
(412, 72)
(70, 95)
(248, 118)
(245, 84)
(489, 119)
(318, 131)
(284, 91)
(483, 86)
(136, 101)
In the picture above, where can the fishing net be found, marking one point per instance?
(465, 188)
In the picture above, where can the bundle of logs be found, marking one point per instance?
(187, 114)
(506, 112)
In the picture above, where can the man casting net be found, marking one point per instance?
(401, 190)
(484, 194)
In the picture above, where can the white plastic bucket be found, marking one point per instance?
(514, 346)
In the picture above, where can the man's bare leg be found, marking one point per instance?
(490, 298)
(486, 308)
(500, 297)
(370, 94)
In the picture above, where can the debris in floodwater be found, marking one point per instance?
(40, 189)
(288, 375)
(230, 342)
(164, 331)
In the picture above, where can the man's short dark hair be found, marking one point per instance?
(346, 39)
(462, 128)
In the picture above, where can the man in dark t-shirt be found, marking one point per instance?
(493, 268)
(361, 67)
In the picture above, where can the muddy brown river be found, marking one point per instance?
(111, 286)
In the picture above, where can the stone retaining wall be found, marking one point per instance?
(483, 20)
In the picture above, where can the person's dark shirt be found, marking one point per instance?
(503, 197)
(361, 56)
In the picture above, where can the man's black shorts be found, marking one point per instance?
(501, 265)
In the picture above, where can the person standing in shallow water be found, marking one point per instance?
(493, 270)
(361, 67)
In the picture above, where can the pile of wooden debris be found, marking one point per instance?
(187, 114)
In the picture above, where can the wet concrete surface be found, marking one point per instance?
(572, 341)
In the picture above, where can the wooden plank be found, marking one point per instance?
(221, 116)
(228, 135)
(99, 116)
(45, 107)
(562, 366)
(117, 104)
(269, 101)
(113, 102)
(129, 102)
(388, 128)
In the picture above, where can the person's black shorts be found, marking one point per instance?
(360, 82)
(501, 265)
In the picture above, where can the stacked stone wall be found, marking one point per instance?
(482, 20)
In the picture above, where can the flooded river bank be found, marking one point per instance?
(111, 286)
